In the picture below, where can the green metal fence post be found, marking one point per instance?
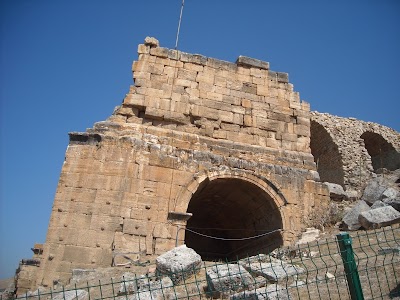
(350, 267)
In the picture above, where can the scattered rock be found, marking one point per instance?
(259, 281)
(285, 253)
(395, 203)
(383, 187)
(178, 263)
(226, 279)
(329, 276)
(256, 259)
(155, 290)
(298, 283)
(336, 191)
(144, 287)
(309, 236)
(274, 271)
(71, 295)
(379, 217)
(350, 219)
(272, 291)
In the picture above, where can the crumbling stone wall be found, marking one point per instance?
(348, 151)
(228, 143)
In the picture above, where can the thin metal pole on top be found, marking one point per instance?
(179, 25)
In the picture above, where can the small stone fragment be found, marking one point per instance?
(151, 41)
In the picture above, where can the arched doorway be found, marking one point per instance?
(383, 154)
(232, 208)
(326, 155)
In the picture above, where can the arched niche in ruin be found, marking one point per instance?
(383, 154)
(233, 208)
(326, 155)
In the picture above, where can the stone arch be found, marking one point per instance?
(229, 205)
(326, 155)
(383, 154)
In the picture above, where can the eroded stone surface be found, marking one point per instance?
(379, 217)
(350, 219)
(179, 263)
(225, 279)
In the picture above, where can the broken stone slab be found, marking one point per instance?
(329, 276)
(383, 187)
(310, 235)
(379, 217)
(223, 280)
(378, 204)
(272, 291)
(178, 263)
(350, 219)
(155, 290)
(274, 271)
(252, 62)
(336, 192)
(390, 193)
(71, 295)
(374, 190)
(395, 203)
(144, 287)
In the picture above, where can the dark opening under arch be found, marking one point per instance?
(383, 154)
(326, 155)
(232, 208)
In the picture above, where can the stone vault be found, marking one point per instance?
(348, 151)
(220, 148)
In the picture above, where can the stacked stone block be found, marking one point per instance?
(243, 102)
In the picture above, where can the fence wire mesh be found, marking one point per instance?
(309, 271)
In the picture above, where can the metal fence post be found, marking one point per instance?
(350, 267)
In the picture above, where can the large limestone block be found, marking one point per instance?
(350, 219)
(226, 279)
(135, 227)
(336, 191)
(379, 217)
(178, 263)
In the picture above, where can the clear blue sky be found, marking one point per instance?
(66, 64)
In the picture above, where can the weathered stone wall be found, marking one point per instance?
(348, 151)
(226, 142)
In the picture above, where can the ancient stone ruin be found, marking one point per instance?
(218, 148)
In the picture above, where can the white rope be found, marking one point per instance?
(179, 25)
(232, 239)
